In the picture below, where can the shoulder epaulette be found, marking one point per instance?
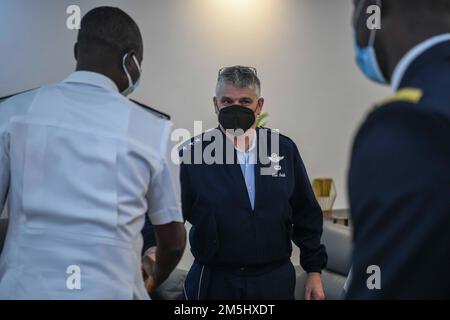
(152, 110)
(15, 94)
(411, 95)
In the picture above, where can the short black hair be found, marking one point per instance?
(109, 27)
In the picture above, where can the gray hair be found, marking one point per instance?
(240, 77)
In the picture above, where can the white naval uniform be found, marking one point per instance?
(81, 165)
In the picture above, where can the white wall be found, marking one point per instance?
(302, 49)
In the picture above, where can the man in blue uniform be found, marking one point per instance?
(246, 193)
(399, 180)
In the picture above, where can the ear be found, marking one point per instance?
(259, 106)
(216, 106)
(75, 51)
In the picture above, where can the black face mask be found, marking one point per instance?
(236, 117)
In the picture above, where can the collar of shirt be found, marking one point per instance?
(92, 78)
(244, 156)
(412, 55)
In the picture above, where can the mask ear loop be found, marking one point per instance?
(130, 81)
(373, 32)
(137, 64)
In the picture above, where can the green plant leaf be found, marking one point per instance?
(260, 120)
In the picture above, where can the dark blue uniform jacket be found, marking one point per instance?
(226, 231)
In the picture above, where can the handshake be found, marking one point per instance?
(148, 270)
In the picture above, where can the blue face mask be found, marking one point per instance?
(366, 58)
(131, 86)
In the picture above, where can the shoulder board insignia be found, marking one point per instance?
(152, 110)
(15, 94)
(411, 95)
(190, 143)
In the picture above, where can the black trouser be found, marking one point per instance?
(274, 282)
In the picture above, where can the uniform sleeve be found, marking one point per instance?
(148, 231)
(4, 153)
(163, 206)
(307, 219)
(163, 196)
(10, 108)
(4, 166)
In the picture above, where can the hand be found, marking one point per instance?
(148, 263)
(313, 287)
(151, 253)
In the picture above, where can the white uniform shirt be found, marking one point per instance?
(82, 165)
